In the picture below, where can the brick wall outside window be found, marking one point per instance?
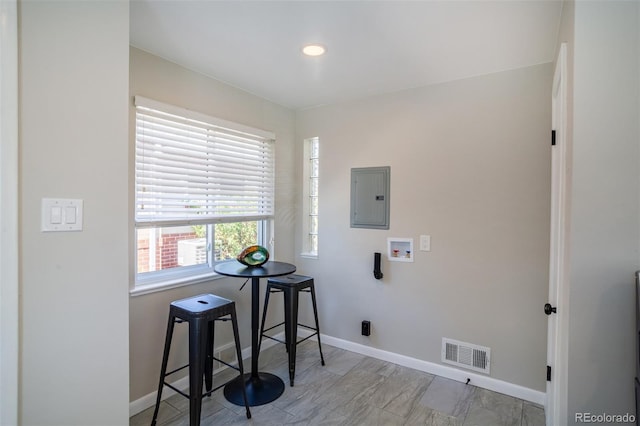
(166, 251)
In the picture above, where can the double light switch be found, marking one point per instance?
(59, 215)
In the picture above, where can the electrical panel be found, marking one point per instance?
(370, 188)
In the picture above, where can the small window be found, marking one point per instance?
(311, 182)
(204, 190)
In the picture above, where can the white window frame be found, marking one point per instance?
(310, 201)
(161, 214)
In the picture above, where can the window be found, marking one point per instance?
(204, 190)
(310, 196)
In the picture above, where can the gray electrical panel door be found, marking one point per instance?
(370, 197)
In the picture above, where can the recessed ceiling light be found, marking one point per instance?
(314, 50)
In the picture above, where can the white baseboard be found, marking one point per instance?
(478, 380)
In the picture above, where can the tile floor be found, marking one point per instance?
(352, 389)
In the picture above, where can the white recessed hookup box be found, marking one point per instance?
(400, 249)
(61, 215)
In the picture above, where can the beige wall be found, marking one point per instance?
(9, 286)
(470, 166)
(605, 197)
(73, 144)
(164, 81)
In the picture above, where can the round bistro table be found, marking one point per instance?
(261, 387)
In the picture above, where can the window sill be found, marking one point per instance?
(155, 287)
(309, 255)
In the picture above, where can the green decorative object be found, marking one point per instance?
(253, 256)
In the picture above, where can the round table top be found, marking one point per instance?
(234, 268)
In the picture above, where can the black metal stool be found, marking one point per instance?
(291, 286)
(200, 312)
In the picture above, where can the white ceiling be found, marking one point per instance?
(373, 46)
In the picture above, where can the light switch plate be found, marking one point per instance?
(61, 215)
(425, 242)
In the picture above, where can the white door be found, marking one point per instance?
(557, 306)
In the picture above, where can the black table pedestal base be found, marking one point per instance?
(261, 390)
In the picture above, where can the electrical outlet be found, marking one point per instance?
(366, 328)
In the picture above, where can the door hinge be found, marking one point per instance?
(553, 137)
(548, 373)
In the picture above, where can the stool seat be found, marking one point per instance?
(200, 312)
(291, 286)
(202, 306)
(292, 280)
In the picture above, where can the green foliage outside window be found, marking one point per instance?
(232, 238)
(200, 230)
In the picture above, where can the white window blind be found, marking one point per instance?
(192, 168)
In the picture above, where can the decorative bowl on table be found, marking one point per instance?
(253, 256)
